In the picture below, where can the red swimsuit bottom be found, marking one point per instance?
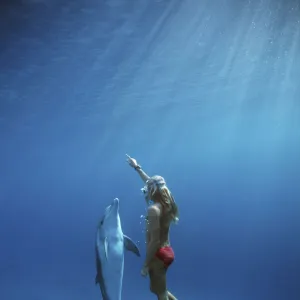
(166, 255)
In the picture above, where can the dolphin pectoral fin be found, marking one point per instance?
(130, 245)
(106, 248)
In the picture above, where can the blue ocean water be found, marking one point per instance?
(204, 93)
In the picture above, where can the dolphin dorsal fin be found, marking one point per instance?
(105, 248)
(130, 245)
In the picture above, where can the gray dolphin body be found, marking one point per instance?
(110, 247)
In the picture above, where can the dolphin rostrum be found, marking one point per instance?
(110, 246)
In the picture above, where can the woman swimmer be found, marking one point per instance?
(161, 213)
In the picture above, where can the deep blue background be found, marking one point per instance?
(204, 93)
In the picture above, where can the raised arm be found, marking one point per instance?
(133, 163)
(142, 174)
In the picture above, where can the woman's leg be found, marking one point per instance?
(157, 274)
(158, 284)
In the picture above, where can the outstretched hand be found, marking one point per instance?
(131, 161)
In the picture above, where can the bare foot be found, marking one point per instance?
(171, 297)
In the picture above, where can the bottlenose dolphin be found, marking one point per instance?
(110, 245)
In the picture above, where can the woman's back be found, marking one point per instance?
(165, 223)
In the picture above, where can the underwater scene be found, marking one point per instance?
(150, 149)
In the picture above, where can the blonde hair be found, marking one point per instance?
(163, 196)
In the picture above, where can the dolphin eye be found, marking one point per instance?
(101, 223)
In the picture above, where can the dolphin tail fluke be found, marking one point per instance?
(131, 246)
